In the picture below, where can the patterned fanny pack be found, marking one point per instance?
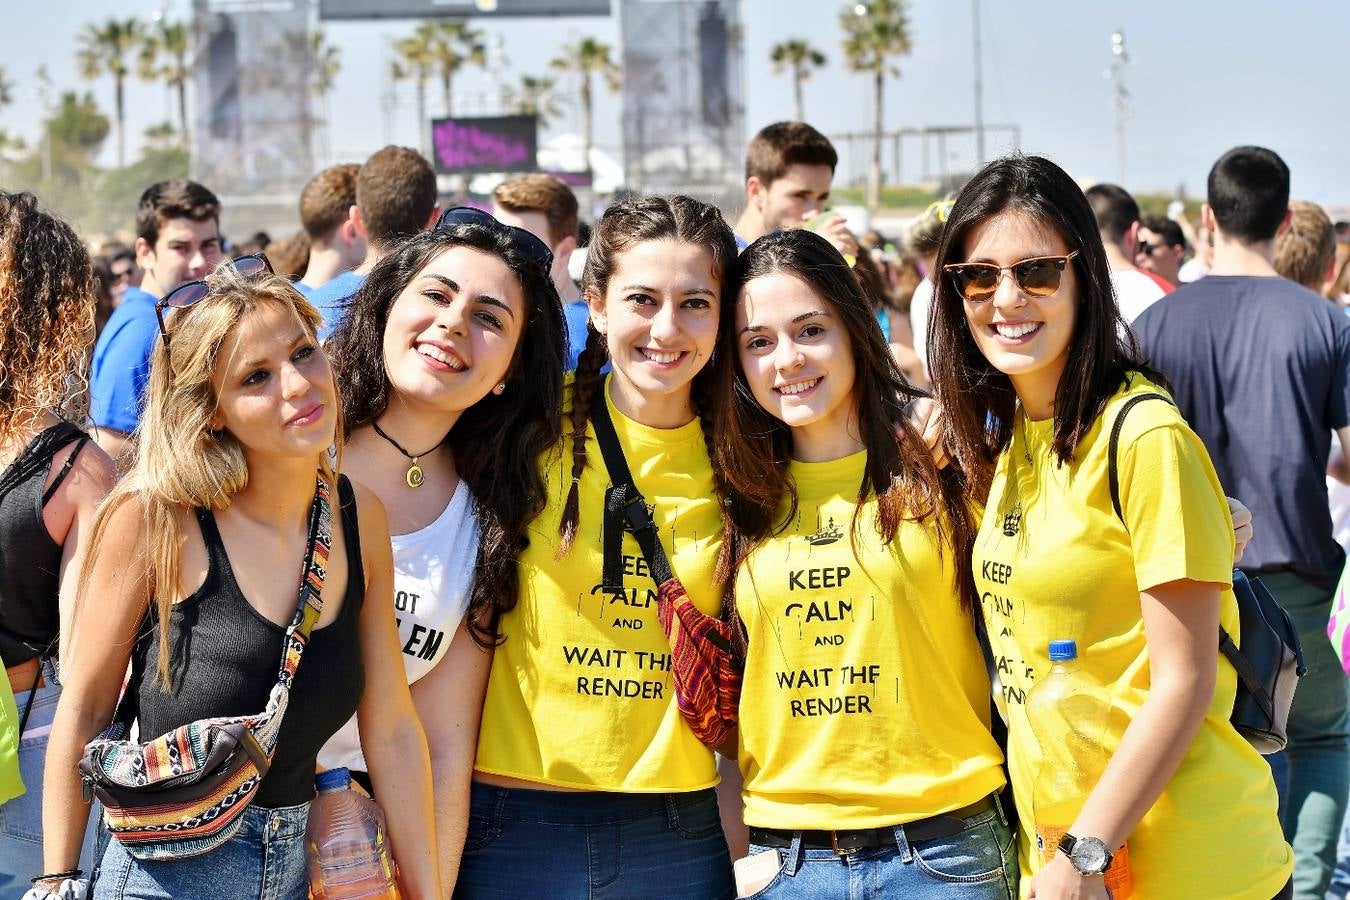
(183, 793)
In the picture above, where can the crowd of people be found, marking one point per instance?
(748, 543)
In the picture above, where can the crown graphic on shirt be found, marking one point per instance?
(1012, 522)
(824, 534)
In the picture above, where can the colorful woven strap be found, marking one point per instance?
(310, 604)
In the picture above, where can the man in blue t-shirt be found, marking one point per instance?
(328, 215)
(177, 240)
(545, 206)
(1261, 370)
(395, 199)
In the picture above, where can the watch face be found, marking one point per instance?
(1089, 856)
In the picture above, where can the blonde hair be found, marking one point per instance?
(181, 463)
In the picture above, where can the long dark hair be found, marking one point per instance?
(754, 447)
(978, 399)
(496, 443)
(624, 225)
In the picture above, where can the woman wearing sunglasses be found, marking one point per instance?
(52, 482)
(451, 360)
(589, 782)
(864, 719)
(192, 572)
(1033, 365)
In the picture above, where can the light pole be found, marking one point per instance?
(979, 85)
(1120, 59)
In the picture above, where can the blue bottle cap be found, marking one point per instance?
(333, 779)
(1062, 650)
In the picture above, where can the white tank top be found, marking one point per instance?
(433, 572)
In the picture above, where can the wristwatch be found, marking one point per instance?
(1088, 855)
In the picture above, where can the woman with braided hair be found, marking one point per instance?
(52, 482)
(587, 777)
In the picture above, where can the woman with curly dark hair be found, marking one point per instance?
(451, 360)
(50, 487)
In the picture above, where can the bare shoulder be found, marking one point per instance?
(92, 474)
(373, 522)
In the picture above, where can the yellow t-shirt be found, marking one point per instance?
(865, 700)
(1053, 561)
(580, 693)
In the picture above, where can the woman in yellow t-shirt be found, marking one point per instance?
(864, 718)
(587, 778)
(1033, 363)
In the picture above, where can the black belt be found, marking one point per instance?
(851, 841)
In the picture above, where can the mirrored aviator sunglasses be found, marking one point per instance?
(190, 292)
(524, 240)
(1038, 276)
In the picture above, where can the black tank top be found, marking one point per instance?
(224, 657)
(30, 561)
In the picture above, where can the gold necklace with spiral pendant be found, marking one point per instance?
(414, 476)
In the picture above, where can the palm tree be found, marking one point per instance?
(164, 57)
(103, 50)
(325, 62)
(801, 58)
(875, 31)
(586, 58)
(535, 97)
(415, 62)
(452, 45)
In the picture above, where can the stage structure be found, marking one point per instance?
(252, 103)
(684, 97)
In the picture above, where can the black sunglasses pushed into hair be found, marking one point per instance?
(1035, 277)
(527, 243)
(190, 292)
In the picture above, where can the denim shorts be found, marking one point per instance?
(594, 846)
(265, 860)
(21, 817)
(979, 863)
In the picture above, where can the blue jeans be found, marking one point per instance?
(265, 860)
(1314, 804)
(21, 817)
(594, 846)
(979, 863)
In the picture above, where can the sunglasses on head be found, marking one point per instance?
(1035, 277)
(190, 292)
(523, 240)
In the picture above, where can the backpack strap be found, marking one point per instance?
(1113, 450)
(1227, 647)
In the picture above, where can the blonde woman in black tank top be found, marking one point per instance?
(198, 551)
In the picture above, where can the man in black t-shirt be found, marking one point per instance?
(1261, 370)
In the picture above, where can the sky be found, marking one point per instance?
(1203, 77)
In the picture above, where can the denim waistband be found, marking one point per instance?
(579, 807)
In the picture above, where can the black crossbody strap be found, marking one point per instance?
(625, 509)
(1229, 649)
(1113, 451)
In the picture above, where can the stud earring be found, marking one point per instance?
(500, 388)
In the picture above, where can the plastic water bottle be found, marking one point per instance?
(346, 844)
(1068, 711)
